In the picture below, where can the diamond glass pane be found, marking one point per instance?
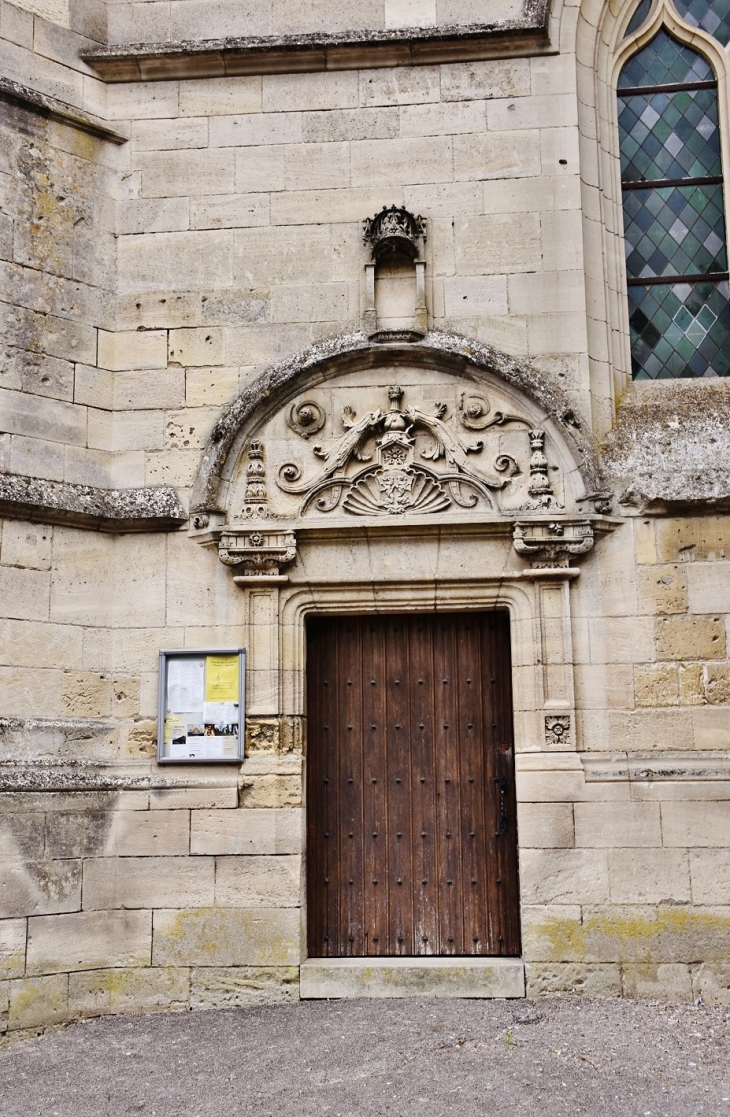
(675, 230)
(638, 17)
(669, 135)
(679, 330)
(713, 16)
(664, 61)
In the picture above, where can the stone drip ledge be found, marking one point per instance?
(644, 767)
(49, 775)
(85, 506)
(52, 109)
(270, 54)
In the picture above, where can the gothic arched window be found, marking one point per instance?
(674, 224)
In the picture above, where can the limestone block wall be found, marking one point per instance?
(137, 901)
(195, 19)
(625, 852)
(146, 283)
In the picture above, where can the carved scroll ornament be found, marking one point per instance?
(395, 483)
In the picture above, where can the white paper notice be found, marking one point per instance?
(222, 712)
(185, 684)
(205, 748)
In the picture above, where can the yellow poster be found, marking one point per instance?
(221, 678)
(173, 728)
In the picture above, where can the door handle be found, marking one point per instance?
(501, 783)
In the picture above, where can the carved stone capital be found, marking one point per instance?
(257, 553)
(552, 543)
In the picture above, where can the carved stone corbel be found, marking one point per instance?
(551, 544)
(257, 554)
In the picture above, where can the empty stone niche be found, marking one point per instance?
(395, 275)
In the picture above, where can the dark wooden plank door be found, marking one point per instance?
(411, 837)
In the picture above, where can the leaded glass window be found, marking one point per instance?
(674, 224)
(638, 17)
(713, 16)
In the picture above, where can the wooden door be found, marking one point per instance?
(411, 838)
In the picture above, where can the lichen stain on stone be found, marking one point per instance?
(669, 935)
(56, 202)
(670, 446)
(213, 934)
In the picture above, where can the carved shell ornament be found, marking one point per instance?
(393, 482)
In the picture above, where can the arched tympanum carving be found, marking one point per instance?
(349, 431)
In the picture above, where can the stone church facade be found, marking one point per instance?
(387, 341)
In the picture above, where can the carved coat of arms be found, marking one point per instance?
(393, 482)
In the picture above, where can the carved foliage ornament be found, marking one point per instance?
(395, 483)
(557, 729)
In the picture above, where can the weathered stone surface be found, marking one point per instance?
(12, 948)
(36, 1002)
(657, 685)
(88, 941)
(109, 509)
(657, 454)
(717, 683)
(269, 882)
(711, 982)
(97, 992)
(227, 937)
(668, 982)
(250, 831)
(85, 695)
(592, 980)
(325, 978)
(141, 834)
(648, 934)
(39, 888)
(147, 882)
(243, 986)
(691, 638)
(561, 876)
(649, 876)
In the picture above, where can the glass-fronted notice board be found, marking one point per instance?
(202, 704)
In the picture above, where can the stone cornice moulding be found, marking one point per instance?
(85, 506)
(410, 46)
(445, 351)
(50, 108)
(663, 766)
(50, 775)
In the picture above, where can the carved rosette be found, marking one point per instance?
(549, 544)
(557, 729)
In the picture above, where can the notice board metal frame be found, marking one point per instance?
(169, 655)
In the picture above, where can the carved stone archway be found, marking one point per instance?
(470, 435)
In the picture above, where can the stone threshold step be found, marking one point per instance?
(339, 978)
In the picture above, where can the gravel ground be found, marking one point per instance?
(401, 1058)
